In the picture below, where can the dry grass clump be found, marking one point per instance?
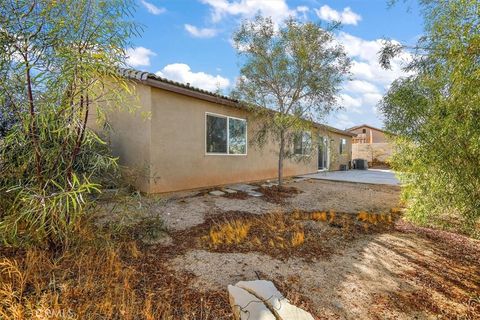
(284, 235)
(369, 221)
(234, 231)
(107, 280)
(85, 284)
(270, 231)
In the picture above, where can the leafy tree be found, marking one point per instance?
(289, 78)
(435, 114)
(58, 59)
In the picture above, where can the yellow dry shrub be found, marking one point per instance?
(372, 218)
(319, 216)
(297, 215)
(332, 216)
(298, 238)
(234, 231)
(395, 210)
(362, 216)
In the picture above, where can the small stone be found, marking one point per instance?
(254, 193)
(216, 193)
(230, 191)
(242, 187)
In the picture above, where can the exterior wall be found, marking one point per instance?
(129, 136)
(371, 135)
(178, 157)
(337, 159)
(167, 151)
(380, 152)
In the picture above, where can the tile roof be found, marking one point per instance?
(145, 76)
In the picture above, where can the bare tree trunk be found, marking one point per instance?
(281, 155)
(33, 126)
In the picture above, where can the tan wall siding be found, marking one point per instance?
(178, 155)
(370, 151)
(166, 152)
(337, 159)
(376, 135)
(130, 135)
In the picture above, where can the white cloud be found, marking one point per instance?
(153, 9)
(342, 120)
(361, 86)
(347, 16)
(278, 10)
(349, 103)
(365, 66)
(303, 10)
(182, 73)
(200, 33)
(369, 81)
(139, 56)
(371, 99)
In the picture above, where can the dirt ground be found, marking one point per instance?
(402, 272)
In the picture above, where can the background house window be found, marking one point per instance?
(226, 135)
(301, 143)
(343, 146)
(364, 130)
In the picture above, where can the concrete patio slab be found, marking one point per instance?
(372, 176)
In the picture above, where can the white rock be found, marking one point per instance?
(242, 187)
(229, 190)
(246, 306)
(254, 193)
(217, 193)
(266, 291)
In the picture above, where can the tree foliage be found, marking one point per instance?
(58, 60)
(294, 70)
(435, 114)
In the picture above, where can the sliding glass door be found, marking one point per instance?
(323, 153)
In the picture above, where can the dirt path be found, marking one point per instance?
(397, 275)
(401, 273)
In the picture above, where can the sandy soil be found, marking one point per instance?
(403, 273)
(181, 211)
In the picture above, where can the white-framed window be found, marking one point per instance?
(302, 142)
(343, 146)
(225, 135)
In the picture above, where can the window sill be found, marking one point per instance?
(225, 154)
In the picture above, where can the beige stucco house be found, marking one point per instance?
(193, 138)
(367, 134)
(371, 144)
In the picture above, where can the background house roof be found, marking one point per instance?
(153, 80)
(365, 125)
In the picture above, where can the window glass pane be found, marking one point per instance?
(301, 143)
(343, 144)
(306, 142)
(297, 144)
(216, 134)
(238, 136)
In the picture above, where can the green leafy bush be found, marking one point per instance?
(58, 67)
(435, 116)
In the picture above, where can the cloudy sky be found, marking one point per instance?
(190, 41)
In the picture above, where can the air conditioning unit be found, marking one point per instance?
(360, 164)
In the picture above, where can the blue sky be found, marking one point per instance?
(190, 41)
